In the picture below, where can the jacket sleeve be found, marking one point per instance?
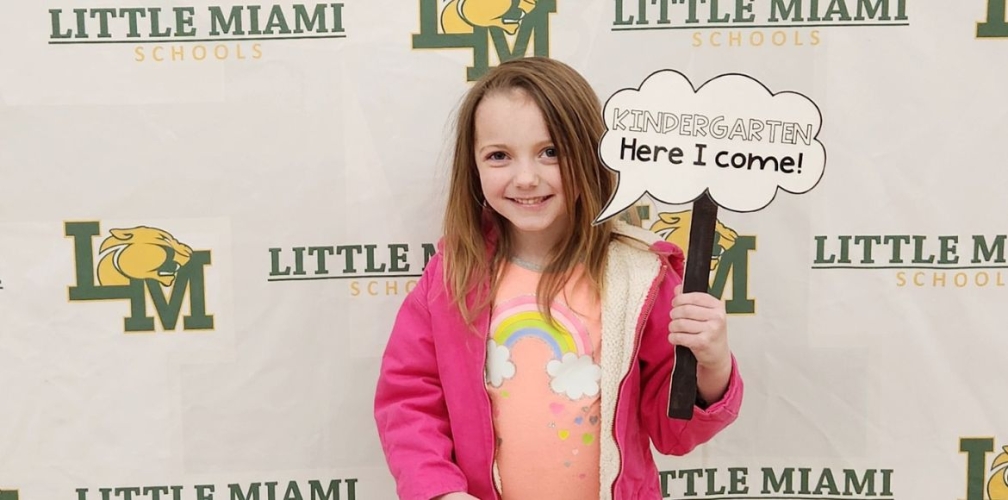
(410, 410)
(657, 360)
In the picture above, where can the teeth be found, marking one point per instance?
(529, 201)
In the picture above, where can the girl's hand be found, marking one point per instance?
(699, 323)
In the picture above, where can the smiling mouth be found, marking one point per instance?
(531, 201)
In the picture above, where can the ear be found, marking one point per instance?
(122, 234)
(670, 218)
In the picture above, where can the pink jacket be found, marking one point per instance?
(433, 411)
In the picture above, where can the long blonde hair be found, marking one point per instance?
(573, 118)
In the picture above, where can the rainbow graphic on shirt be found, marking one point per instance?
(572, 369)
(520, 318)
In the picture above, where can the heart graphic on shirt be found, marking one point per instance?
(567, 464)
(556, 408)
(587, 438)
(578, 420)
(593, 420)
(574, 451)
(563, 433)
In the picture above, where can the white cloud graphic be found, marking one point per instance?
(574, 376)
(499, 366)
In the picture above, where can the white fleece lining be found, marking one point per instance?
(628, 278)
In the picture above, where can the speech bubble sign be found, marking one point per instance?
(731, 143)
(732, 138)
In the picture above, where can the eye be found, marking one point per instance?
(550, 152)
(496, 156)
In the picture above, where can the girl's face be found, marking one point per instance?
(519, 170)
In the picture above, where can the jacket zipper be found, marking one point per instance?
(638, 334)
(482, 380)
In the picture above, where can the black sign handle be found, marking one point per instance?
(683, 391)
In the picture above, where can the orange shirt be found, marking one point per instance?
(543, 382)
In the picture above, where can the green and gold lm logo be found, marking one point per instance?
(729, 259)
(983, 483)
(137, 263)
(511, 26)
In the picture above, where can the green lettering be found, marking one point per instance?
(204, 491)
(254, 20)
(85, 289)
(333, 491)
(398, 254)
(132, 14)
(691, 476)
(980, 247)
(837, 7)
(321, 251)
(370, 249)
(734, 262)
(976, 450)
(317, 16)
(219, 25)
(251, 494)
(948, 249)
(155, 17)
(189, 276)
(774, 484)
(338, 17)
(826, 481)
(103, 16)
(276, 20)
(184, 20)
(54, 16)
(127, 492)
(428, 251)
(995, 26)
(821, 251)
(620, 20)
(872, 10)
(738, 480)
(664, 477)
(275, 264)
(293, 492)
(865, 487)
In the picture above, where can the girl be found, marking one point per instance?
(534, 357)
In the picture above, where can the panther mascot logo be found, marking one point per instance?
(997, 485)
(674, 227)
(141, 253)
(460, 16)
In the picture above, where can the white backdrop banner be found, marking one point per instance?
(283, 167)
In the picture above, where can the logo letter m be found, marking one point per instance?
(533, 30)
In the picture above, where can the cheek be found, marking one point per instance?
(491, 181)
(556, 180)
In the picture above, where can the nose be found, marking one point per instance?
(527, 175)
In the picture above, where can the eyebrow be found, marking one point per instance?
(491, 146)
